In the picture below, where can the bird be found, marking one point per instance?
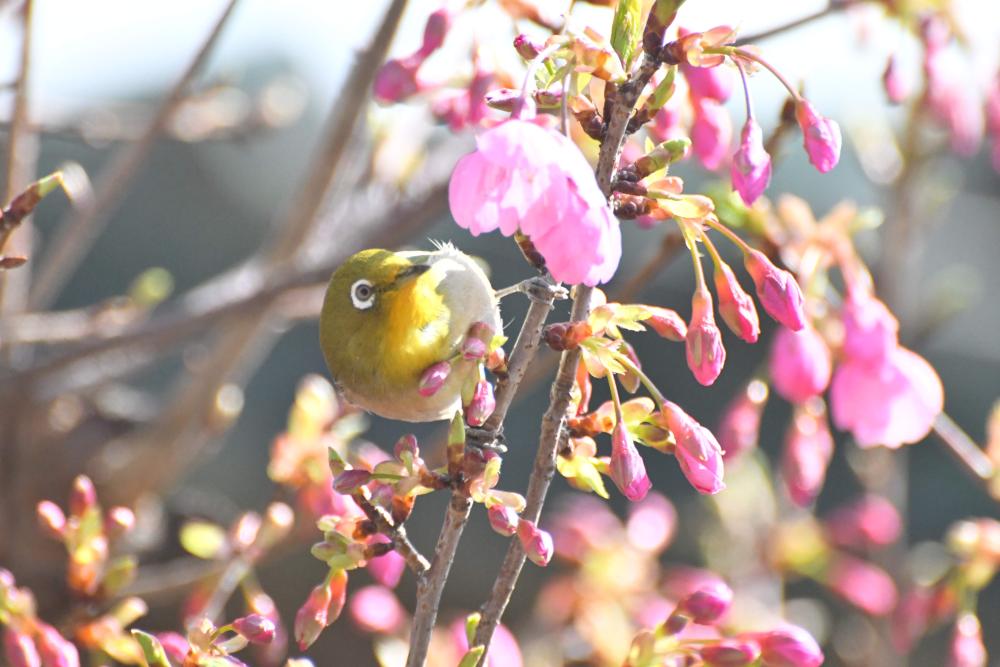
(388, 316)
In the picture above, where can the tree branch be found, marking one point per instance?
(833, 7)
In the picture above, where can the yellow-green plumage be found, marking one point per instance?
(423, 304)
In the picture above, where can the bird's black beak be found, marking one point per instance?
(411, 271)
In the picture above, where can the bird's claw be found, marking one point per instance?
(485, 440)
(538, 288)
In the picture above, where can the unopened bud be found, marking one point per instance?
(566, 335)
(667, 323)
(434, 378)
(661, 156)
(119, 521)
(526, 47)
(821, 137)
(482, 404)
(706, 354)
(537, 543)
(256, 628)
(627, 469)
(790, 646)
(503, 519)
(730, 653)
(707, 604)
(406, 446)
(54, 649)
(321, 608)
(348, 481)
(777, 290)
(735, 305)
(83, 496)
(51, 519)
(435, 30)
(473, 349)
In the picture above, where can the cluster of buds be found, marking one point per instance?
(27, 640)
(89, 535)
(206, 644)
(483, 348)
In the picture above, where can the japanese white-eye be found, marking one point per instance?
(390, 316)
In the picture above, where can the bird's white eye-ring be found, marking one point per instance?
(362, 294)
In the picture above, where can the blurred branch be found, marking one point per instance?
(832, 8)
(77, 233)
(973, 459)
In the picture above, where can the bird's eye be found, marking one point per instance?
(362, 295)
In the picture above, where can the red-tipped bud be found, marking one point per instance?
(862, 584)
(119, 521)
(407, 444)
(790, 646)
(255, 628)
(667, 323)
(434, 378)
(435, 31)
(740, 426)
(51, 519)
(83, 496)
(967, 649)
(19, 649)
(730, 653)
(473, 349)
(698, 452)
(808, 450)
(707, 604)
(777, 290)
(750, 170)
(735, 305)
(503, 519)
(348, 481)
(482, 404)
(800, 365)
(526, 47)
(705, 353)
(321, 608)
(896, 89)
(537, 543)
(627, 469)
(821, 137)
(566, 335)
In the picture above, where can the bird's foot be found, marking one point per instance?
(485, 440)
(537, 288)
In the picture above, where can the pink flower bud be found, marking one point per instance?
(51, 519)
(321, 608)
(698, 453)
(537, 543)
(175, 645)
(406, 444)
(376, 609)
(434, 378)
(503, 519)
(705, 352)
(473, 349)
(730, 653)
(666, 323)
(777, 290)
(870, 522)
(54, 649)
(667, 124)
(735, 305)
(627, 469)
(967, 649)
(807, 454)
(707, 604)
(348, 481)
(800, 364)
(896, 89)
(821, 136)
(397, 79)
(19, 649)
(870, 330)
(750, 170)
(386, 569)
(482, 404)
(256, 628)
(715, 83)
(862, 584)
(119, 521)
(740, 425)
(435, 30)
(790, 646)
(83, 496)
(711, 133)
(526, 47)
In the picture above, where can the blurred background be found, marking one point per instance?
(234, 159)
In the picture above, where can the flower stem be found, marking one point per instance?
(736, 52)
(728, 233)
(746, 88)
(646, 382)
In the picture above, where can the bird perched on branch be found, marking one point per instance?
(405, 333)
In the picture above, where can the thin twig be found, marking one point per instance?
(552, 431)
(414, 559)
(973, 459)
(833, 7)
(79, 231)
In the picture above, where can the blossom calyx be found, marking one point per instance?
(627, 469)
(777, 290)
(705, 353)
(698, 452)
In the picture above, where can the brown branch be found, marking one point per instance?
(414, 559)
(833, 7)
(973, 459)
(78, 232)
(552, 432)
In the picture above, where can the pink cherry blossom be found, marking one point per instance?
(698, 452)
(376, 609)
(705, 353)
(739, 427)
(711, 133)
(871, 521)
(790, 646)
(750, 170)
(862, 584)
(735, 305)
(651, 523)
(870, 330)
(800, 364)
(386, 569)
(777, 290)
(821, 136)
(398, 79)
(891, 404)
(967, 649)
(537, 543)
(527, 178)
(715, 83)
(627, 469)
(666, 124)
(806, 457)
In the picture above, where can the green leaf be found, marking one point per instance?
(689, 207)
(471, 659)
(626, 29)
(152, 650)
(471, 625)
(203, 539)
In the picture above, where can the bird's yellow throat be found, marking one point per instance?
(416, 326)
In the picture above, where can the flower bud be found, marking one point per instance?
(740, 425)
(256, 628)
(777, 290)
(710, 133)
(821, 136)
(482, 404)
(321, 608)
(386, 569)
(503, 519)
(51, 519)
(350, 480)
(807, 454)
(119, 521)
(862, 584)
(790, 646)
(397, 79)
(707, 604)
(896, 89)
(537, 543)
(871, 332)
(406, 445)
(19, 649)
(750, 170)
(526, 47)
(870, 522)
(705, 352)
(83, 496)
(434, 378)
(566, 335)
(627, 469)
(666, 323)
(54, 649)
(715, 83)
(730, 653)
(735, 305)
(473, 349)
(376, 609)
(496, 362)
(435, 30)
(800, 364)
(697, 451)
(967, 649)
(174, 645)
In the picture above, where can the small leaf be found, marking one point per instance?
(689, 207)
(471, 659)
(626, 29)
(203, 539)
(152, 650)
(471, 625)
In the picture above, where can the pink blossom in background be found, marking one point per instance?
(19, 649)
(800, 364)
(387, 569)
(821, 136)
(398, 79)
(698, 452)
(870, 522)
(703, 344)
(896, 88)
(862, 584)
(714, 83)
(527, 178)
(504, 651)
(651, 523)
(54, 649)
(626, 468)
(711, 133)
(376, 609)
(806, 456)
(790, 646)
(739, 427)
(870, 330)
(967, 649)
(750, 170)
(667, 124)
